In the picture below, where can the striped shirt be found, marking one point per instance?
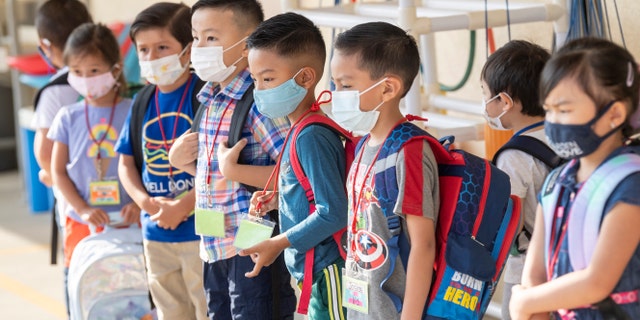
(265, 139)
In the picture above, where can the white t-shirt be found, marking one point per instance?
(52, 99)
(527, 175)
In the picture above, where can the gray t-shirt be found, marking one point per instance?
(369, 259)
(527, 175)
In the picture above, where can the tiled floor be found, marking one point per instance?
(30, 288)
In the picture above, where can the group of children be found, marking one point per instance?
(196, 195)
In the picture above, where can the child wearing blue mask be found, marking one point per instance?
(510, 90)
(161, 112)
(584, 256)
(219, 29)
(373, 67)
(286, 58)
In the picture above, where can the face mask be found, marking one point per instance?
(44, 56)
(280, 101)
(208, 62)
(346, 111)
(92, 87)
(164, 71)
(493, 122)
(571, 141)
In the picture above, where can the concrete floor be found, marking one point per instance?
(31, 288)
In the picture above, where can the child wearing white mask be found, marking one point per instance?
(84, 161)
(219, 29)
(161, 112)
(510, 78)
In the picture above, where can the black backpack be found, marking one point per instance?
(61, 80)
(536, 149)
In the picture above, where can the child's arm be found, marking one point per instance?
(42, 148)
(59, 159)
(534, 271)
(184, 152)
(132, 183)
(252, 175)
(422, 233)
(617, 242)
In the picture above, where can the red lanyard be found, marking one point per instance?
(276, 169)
(357, 199)
(175, 123)
(106, 132)
(215, 137)
(553, 254)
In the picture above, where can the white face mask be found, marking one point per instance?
(163, 71)
(208, 62)
(494, 122)
(345, 107)
(93, 87)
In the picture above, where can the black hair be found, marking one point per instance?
(603, 70)
(248, 13)
(515, 69)
(56, 19)
(175, 17)
(95, 39)
(383, 49)
(290, 35)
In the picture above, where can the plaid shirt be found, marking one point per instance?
(265, 138)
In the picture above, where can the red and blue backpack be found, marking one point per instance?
(477, 223)
(340, 236)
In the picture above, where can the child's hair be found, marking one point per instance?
(56, 19)
(291, 35)
(95, 39)
(515, 69)
(247, 13)
(175, 17)
(603, 70)
(382, 49)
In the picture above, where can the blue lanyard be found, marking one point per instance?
(527, 128)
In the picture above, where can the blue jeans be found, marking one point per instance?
(231, 295)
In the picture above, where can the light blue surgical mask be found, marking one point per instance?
(280, 101)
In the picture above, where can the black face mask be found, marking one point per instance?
(571, 141)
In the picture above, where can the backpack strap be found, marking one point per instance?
(138, 110)
(314, 119)
(594, 195)
(60, 80)
(533, 147)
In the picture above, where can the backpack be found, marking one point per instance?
(477, 222)
(539, 150)
(340, 236)
(591, 197)
(139, 109)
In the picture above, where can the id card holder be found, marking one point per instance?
(104, 193)
(209, 222)
(355, 295)
(253, 230)
(115, 219)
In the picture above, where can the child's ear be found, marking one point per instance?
(507, 101)
(392, 88)
(307, 77)
(617, 114)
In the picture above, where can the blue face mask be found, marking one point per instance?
(280, 101)
(571, 141)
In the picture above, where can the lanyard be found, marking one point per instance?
(175, 123)
(209, 151)
(104, 135)
(276, 169)
(529, 127)
(557, 238)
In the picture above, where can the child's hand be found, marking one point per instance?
(95, 216)
(184, 150)
(130, 213)
(267, 204)
(516, 305)
(228, 157)
(45, 178)
(170, 214)
(265, 253)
